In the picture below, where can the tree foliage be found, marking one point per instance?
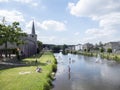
(63, 48)
(40, 46)
(102, 50)
(109, 50)
(56, 49)
(11, 33)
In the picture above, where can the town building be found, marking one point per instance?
(70, 48)
(87, 46)
(78, 47)
(115, 46)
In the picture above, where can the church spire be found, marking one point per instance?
(33, 28)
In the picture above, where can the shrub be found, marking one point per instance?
(109, 50)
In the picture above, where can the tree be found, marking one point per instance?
(11, 33)
(85, 50)
(63, 48)
(100, 44)
(101, 50)
(109, 50)
(56, 49)
(40, 46)
(96, 47)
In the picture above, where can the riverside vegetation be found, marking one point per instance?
(109, 56)
(26, 77)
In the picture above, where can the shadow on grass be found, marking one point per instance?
(33, 63)
(5, 65)
(22, 63)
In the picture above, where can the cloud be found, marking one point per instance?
(51, 39)
(77, 33)
(29, 2)
(106, 13)
(47, 25)
(4, 0)
(48, 39)
(12, 15)
(92, 8)
(95, 35)
(110, 21)
(99, 33)
(53, 25)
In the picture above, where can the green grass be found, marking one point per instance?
(11, 79)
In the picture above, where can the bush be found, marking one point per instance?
(46, 86)
(109, 50)
(54, 68)
(102, 50)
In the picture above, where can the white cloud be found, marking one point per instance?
(110, 21)
(77, 33)
(48, 39)
(54, 40)
(28, 27)
(4, 0)
(100, 33)
(12, 15)
(53, 25)
(107, 13)
(29, 2)
(48, 25)
(96, 35)
(92, 8)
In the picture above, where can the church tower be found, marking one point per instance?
(33, 34)
(33, 28)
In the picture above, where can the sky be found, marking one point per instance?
(66, 21)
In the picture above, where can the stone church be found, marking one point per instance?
(30, 45)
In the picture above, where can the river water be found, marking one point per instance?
(78, 72)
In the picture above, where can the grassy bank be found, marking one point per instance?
(108, 56)
(26, 78)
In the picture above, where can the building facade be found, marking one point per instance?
(87, 46)
(78, 47)
(115, 46)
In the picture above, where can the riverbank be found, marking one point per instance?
(26, 77)
(108, 56)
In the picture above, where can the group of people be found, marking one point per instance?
(38, 69)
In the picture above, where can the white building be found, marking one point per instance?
(78, 47)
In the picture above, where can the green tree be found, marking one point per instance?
(11, 33)
(63, 48)
(56, 49)
(101, 50)
(85, 50)
(40, 46)
(109, 50)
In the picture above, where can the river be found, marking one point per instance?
(78, 72)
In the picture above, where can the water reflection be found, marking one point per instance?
(69, 74)
(83, 73)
